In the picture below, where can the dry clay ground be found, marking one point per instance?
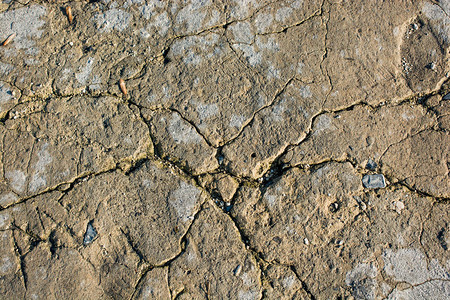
(265, 149)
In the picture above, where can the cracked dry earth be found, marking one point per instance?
(264, 150)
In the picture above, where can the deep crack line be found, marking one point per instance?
(276, 161)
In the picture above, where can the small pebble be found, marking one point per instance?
(431, 66)
(69, 14)
(374, 181)
(90, 234)
(228, 206)
(122, 86)
(334, 207)
(371, 164)
(237, 270)
(9, 39)
(398, 206)
(362, 205)
(306, 241)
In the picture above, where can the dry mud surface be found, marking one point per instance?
(263, 150)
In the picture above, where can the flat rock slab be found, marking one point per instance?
(224, 149)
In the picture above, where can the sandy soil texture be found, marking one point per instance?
(220, 149)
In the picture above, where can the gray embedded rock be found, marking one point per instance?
(374, 181)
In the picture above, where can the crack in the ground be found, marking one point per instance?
(430, 128)
(411, 286)
(317, 13)
(276, 169)
(395, 182)
(323, 69)
(251, 120)
(173, 110)
(168, 261)
(58, 187)
(304, 285)
(276, 163)
(20, 256)
(422, 230)
(258, 256)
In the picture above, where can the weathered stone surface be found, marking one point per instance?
(263, 150)
(290, 222)
(116, 263)
(185, 86)
(444, 118)
(423, 57)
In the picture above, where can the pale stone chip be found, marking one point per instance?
(374, 181)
